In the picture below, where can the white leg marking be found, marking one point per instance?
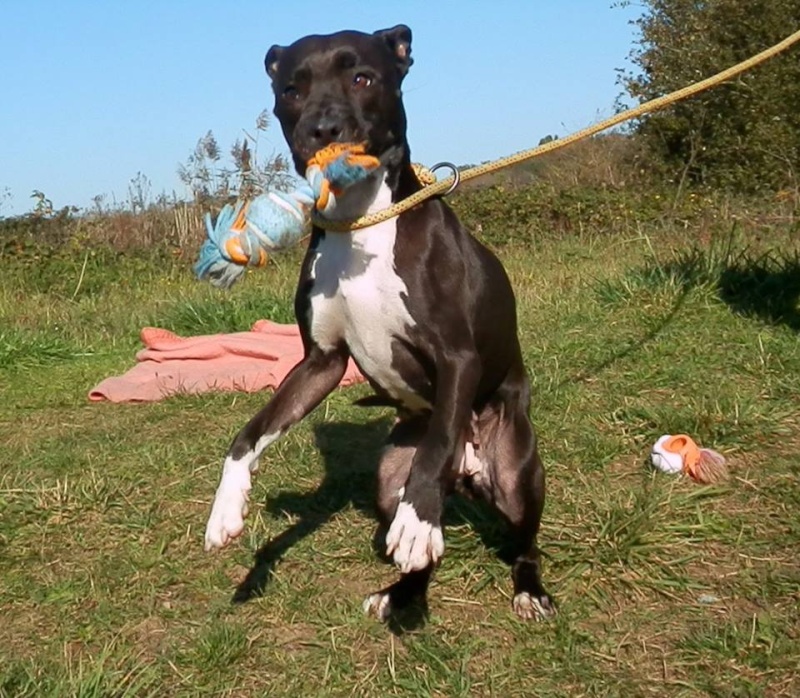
(230, 503)
(226, 520)
(414, 543)
(261, 444)
(529, 607)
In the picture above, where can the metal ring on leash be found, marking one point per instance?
(456, 175)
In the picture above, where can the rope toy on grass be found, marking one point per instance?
(680, 454)
(246, 232)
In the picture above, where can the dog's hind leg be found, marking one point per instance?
(515, 486)
(301, 391)
(393, 472)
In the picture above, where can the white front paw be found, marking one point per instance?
(227, 516)
(414, 544)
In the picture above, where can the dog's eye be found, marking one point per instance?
(360, 80)
(291, 92)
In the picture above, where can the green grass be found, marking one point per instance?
(665, 587)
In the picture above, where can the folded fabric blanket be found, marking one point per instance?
(242, 361)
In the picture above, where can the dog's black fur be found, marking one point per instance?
(456, 372)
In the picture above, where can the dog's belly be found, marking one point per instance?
(357, 297)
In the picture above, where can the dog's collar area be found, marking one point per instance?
(456, 176)
(432, 187)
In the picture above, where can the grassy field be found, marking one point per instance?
(665, 587)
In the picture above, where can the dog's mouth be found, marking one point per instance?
(309, 150)
(313, 133)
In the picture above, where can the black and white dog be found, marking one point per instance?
(426, 312)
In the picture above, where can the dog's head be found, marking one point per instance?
(343, 87)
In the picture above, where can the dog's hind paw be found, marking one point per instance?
(378, 605)
(414, 544)
(530, 607)
(226, 521)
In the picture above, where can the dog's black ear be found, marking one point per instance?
(398, 39)
(272, 60)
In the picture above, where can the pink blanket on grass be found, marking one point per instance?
(243, 361)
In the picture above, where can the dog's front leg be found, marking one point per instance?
(415, 537)
(300, 392)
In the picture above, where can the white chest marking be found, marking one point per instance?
(357, 298)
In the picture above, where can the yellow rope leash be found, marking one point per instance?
(648, 107)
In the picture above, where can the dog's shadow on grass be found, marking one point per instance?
(350, 453)
(767, 287)
(764, 286)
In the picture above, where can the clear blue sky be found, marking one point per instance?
(94, 92)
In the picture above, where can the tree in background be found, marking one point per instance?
(744, 135)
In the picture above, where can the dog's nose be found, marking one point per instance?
(325, 131)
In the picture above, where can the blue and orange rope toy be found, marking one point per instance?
(246, 232)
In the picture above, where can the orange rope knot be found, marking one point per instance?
(680, 454)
